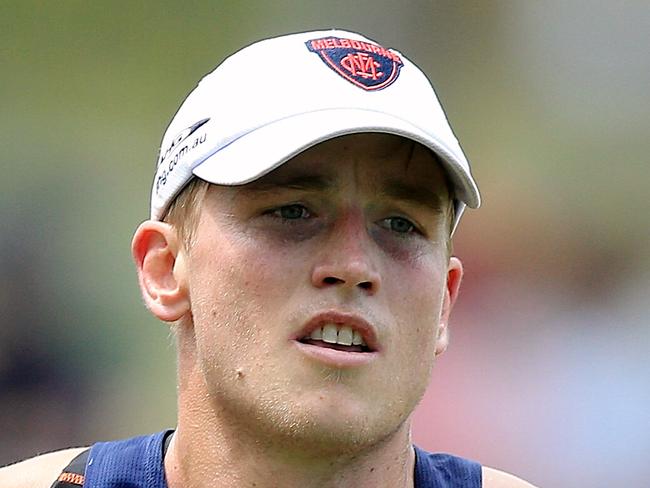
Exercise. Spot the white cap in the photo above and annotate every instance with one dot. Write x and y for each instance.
(281, 96)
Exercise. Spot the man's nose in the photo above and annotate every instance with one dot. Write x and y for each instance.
(347, 258)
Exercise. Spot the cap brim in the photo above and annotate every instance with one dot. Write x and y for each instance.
(265, 148)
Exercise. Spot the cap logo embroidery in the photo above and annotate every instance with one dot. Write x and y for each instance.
(178, 149)
(363, 64)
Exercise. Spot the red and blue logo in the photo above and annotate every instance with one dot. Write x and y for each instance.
(363, 64)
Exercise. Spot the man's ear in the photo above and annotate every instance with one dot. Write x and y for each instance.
(454, 277)
(160, 263)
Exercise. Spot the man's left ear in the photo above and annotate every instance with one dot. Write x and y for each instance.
(454, 277)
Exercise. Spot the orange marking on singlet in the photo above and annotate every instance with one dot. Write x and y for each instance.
(74, 478)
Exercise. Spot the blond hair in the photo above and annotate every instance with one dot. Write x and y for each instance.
(184, 211)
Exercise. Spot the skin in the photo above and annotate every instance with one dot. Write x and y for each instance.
(269, 256)
(355, 226)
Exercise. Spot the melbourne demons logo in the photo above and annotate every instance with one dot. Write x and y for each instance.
(366, 65)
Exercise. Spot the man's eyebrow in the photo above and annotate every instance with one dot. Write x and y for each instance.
(414, 194)
(295, 182)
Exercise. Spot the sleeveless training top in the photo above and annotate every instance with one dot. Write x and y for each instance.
(138, 463)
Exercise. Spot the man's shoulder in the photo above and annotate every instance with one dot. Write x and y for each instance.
(39, 471)
(494, 478)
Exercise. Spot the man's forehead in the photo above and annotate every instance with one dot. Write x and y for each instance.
(391, 166)
(379, 157)
(369, 144)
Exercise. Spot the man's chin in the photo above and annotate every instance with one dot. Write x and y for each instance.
(337, 432)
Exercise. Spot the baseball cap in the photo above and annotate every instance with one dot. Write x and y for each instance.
(278, 97)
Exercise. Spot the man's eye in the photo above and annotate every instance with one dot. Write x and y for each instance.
(399, 225)
(292, 212)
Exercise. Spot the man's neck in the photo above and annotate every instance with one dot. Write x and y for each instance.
(196, 459)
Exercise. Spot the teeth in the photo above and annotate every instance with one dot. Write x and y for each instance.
(356, 339)
(330, 333)
(345, 336)
(333, 334)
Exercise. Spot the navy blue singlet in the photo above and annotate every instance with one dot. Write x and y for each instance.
(138, 463)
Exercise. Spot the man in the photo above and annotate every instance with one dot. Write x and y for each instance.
(299, 244)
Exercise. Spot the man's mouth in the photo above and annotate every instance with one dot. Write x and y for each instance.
(338, 337)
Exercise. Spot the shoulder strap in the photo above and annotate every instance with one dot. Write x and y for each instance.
(166, 441)
(445, 471)
(136, 463)
(72, 475)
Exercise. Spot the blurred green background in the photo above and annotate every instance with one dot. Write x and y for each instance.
(547, 373)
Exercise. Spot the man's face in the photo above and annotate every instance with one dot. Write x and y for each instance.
(346, 241)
